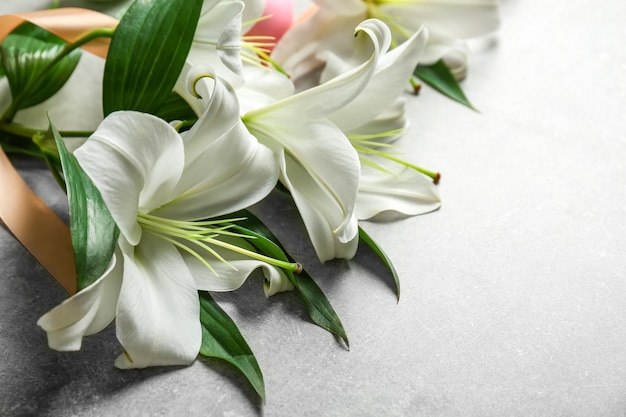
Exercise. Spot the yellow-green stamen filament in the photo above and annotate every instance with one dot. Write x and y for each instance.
(365, 146)
(256, 50)
(195, 237)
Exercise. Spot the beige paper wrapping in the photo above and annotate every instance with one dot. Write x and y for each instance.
(69, 24)
(37, 227)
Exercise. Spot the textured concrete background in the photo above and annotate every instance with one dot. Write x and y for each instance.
(513, 294)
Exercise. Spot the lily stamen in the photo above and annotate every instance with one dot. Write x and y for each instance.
(205, 234)
(249, 23)
(364, 145)
(256, 50)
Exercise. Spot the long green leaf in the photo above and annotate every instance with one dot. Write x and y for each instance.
(19, 145)
(50, 154)
(147, 54)
(176, 108)
(439, 77)
(34, 31)
(366, 239)
(27, 62)
(222, 339)
(319, 308)
(315, 301)
(94, 233)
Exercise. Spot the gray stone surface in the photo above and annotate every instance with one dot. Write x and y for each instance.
(513, 294)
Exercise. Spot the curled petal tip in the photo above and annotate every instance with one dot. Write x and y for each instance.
(195, 74)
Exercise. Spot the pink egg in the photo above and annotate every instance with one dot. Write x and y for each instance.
(281, 12)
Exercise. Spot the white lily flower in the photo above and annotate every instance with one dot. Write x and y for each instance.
(450, 23)
(216, 41)
(77, 106)
(253, 10)
(317, 163)
(406, 193)
(216, 44)
(219, 43)
(156, 183)
(373, 119)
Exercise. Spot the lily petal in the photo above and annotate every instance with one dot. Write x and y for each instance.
(458, 18)
(318, 164)
(263, 88)
(253, 9)
(86, 312)
(76, 106)
(321, 169)
(217, 41)
(407, 193)
(298, 48)
(345, 7)
(455, 52)
(158, 311)
(393, 119)
(241, 173)
(318, 102)
(226, 169)
(230, 276)
(135, 160)
(389, 81)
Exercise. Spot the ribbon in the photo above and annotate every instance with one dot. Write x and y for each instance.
(37, 227)
(69, 24)
(23, 213)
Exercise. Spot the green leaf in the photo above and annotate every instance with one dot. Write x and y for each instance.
(315, 301)
(29, 64)
(176, 108)
(34, 31)
(439, 77)
(94, 233)
(19, 145)
(366, 239)
(319, 308)
(222, 339)
(50, 154)
(147, 54)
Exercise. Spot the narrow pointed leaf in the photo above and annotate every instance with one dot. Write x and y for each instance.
(147, 54)
(315, 301)
(366, 239)
(176, 108)
(19, 150)
(319, 308)
(222, 339)
(50, 154)
(27, 62)
(439, 77)
(19, 145)
(34, 31)
(94, 233)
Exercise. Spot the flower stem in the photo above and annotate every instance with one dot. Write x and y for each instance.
(94, 34)
(27, 132)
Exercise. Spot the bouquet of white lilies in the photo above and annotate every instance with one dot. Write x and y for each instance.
(195, 111)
